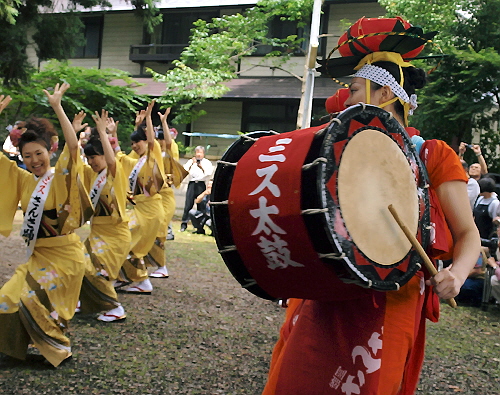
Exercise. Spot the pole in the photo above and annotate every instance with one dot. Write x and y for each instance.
(305, 108)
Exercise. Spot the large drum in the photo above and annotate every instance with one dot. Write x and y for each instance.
(304, 214)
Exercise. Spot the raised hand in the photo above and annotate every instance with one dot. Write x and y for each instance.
(4, 102)
(77, 121)
(56, 97)
(163, 117)
(139, 118)
(112, 126)
(149, 108)
(101, 122)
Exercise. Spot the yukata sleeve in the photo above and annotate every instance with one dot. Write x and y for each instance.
(72, 199)
(12, 182)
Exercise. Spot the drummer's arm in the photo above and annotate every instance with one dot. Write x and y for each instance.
(456, 207)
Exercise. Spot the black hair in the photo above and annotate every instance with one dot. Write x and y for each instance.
(465, 165)
(138, 135)
(93, 147)
(38, 130)
(486, 184)
(414, 78)
(160, 135)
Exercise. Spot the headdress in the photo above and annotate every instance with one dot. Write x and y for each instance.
(372, 40)
(336, 102)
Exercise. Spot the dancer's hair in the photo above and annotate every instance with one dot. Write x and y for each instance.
(38, 130)
(138, 135)
(414, 78)
(93, 146)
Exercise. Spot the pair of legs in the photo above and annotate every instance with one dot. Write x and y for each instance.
(194, 189)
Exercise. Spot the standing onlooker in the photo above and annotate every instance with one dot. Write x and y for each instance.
(476, 170)
(200, 170)
(472, 185)
(486, 208)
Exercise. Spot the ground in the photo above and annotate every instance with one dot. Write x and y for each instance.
(201, 333)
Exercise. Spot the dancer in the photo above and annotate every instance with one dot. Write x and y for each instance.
(108, 243)
(374, 343)
(174, 173)
(146, 178)
(40, 298)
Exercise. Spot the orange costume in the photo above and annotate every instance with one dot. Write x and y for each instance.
(372, 344)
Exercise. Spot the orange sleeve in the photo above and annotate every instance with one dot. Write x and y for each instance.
(442, 163)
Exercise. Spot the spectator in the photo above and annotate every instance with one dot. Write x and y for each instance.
(486, 208)
(472, 185)
(476, 170)
(10, 146)
(201, 217)
(200, 170)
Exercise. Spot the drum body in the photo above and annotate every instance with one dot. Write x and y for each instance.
(304, 214)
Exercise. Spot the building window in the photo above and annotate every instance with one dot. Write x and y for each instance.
(93, 34)
(282, 29)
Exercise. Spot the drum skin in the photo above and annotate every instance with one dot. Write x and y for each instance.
(327, 229)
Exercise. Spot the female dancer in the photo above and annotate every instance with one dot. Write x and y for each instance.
(40, 298)
(374, 344)
(146, 178)
(174, 173)
(109, 241)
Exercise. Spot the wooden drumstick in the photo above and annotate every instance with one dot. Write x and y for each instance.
(418, 247)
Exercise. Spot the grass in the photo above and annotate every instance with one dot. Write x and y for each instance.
(201, 333)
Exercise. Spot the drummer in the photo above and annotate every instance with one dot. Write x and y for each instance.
(321, 349)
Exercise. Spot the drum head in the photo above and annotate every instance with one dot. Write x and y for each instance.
(370, 164)
(373, 174)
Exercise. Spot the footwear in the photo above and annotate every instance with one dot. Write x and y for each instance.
(117, 284)
(161, 272)
(199, 232)
(170, 234)
(183, 227)
(114, 315)
(144, 287)
(77, 308)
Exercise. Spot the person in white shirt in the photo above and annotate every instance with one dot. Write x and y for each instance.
(200, 170)
(472, 185)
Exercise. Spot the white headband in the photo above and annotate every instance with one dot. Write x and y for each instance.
(383, 77)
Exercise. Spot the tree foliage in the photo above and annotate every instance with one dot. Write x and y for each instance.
(91, 90)
(216, 48)
(461, 100)
(54, 35)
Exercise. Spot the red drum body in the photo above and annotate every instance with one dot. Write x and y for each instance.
(304, 214)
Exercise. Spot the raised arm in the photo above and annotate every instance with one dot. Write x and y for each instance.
(112, 127)
(166, 129)
(4, 102)
(109, 154)
(150, 133)
(480, 158)
(67, 128)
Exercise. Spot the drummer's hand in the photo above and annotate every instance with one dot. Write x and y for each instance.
(446, 284)
(462, 148)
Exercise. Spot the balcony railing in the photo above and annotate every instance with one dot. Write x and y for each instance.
(155, 52)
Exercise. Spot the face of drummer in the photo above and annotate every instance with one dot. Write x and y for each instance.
(139, 147)
(97, 162)
(357, 94)
(36, 157)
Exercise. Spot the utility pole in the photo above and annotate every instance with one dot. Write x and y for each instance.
(305, 107)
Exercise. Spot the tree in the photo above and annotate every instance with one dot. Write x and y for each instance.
(216, 48)
(55, 35)
(461, 100)
(91, 90)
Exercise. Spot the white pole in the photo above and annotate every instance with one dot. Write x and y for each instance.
(305, 109)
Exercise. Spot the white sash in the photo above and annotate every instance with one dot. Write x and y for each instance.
(34, 212)
(132, 178)
(95, 191)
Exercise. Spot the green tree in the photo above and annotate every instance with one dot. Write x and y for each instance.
(461, 100)
(216, 48)
(91, 90)
(55, 35)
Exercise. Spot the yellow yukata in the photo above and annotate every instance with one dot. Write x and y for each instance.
(108, 243)
(40, 298)
(147, 214)
(175, 172)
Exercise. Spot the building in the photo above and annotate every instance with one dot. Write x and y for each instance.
(262, 98)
